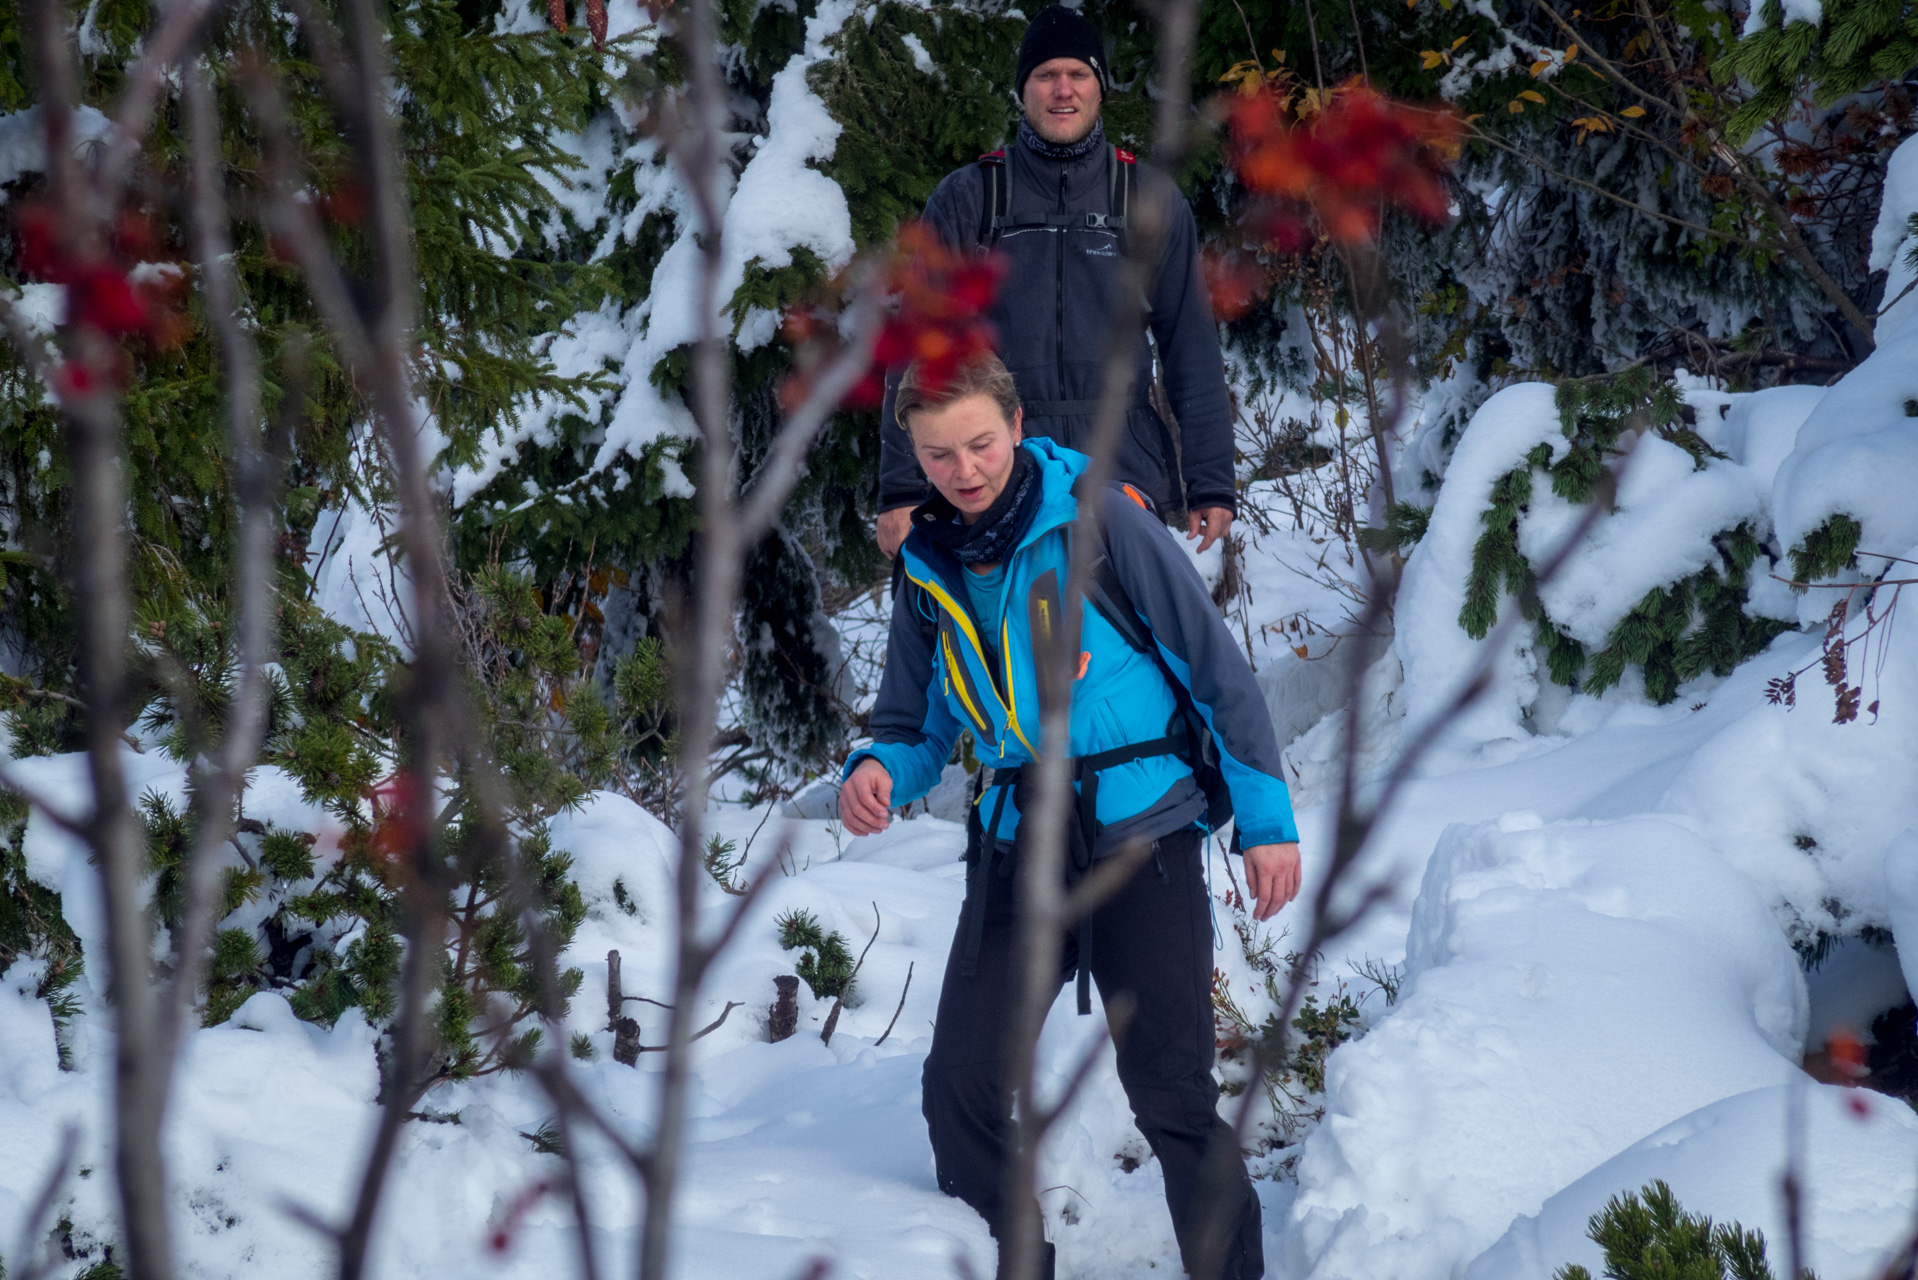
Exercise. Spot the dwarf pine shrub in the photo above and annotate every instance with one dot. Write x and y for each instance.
(1649, 1236)
(825, 961)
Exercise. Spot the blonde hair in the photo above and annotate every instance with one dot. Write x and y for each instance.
(985, 375)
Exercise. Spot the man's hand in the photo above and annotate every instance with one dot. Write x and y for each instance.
(894, 525)
(1271, 874)
(1212, 522)
(865, 803)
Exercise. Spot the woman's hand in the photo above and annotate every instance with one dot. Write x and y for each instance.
(1272, 875)
(865, 802)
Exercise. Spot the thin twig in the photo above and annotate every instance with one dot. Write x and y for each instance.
(217, 786)
(33, 1226)
(900, 1009)
(91, 410)
(703, 1032)
(1041, 896)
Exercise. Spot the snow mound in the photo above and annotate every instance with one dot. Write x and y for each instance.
(1859, 1168)
(1437, 653)
(1570, 989)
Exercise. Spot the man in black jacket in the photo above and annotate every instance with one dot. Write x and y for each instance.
(1055, 226)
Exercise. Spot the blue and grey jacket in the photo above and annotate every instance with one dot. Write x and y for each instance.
(943, 676)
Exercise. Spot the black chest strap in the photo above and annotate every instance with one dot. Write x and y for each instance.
(996, 216)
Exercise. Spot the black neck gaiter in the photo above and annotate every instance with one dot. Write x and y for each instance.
(1030, 139)
(990, 538)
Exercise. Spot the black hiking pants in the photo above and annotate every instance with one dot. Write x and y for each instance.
(1153, 940)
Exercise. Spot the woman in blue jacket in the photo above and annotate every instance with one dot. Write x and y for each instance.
(985, 561)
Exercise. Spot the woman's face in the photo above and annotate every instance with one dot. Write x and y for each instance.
(966, 450)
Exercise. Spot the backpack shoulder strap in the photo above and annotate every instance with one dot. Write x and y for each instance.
(1108, 595)
(1120, 178)
(992, 207)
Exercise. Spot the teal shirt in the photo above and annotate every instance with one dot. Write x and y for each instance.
(986, 593)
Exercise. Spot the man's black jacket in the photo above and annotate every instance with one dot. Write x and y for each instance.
(1052, 312)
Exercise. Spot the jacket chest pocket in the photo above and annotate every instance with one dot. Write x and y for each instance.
(957, 679)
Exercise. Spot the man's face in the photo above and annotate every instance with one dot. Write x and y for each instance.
(1062, 100)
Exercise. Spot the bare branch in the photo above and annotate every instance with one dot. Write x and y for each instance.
(777, 475)
(218, 784)
(839, 1003)
(181, 26)
(99, 589)
(1041, 901)
(1118, 1017)
(901, 1009)
(76, 827)
(703, 1032)
(292, 221)
(39, 1217)
(1108, 875)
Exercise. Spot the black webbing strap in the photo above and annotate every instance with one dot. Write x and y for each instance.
(993, 169)
(996, 216)
(1087, 770)
(983, 845)
(1063, 221)
(1118, 196)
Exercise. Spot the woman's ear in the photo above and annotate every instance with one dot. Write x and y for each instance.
(1018, 421)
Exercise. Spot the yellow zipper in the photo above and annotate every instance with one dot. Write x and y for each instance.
(1012, 698)
(957, 677)
(962, 620)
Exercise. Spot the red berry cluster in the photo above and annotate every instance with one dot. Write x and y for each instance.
(103, 295)
(1343, 164)
(937, 320)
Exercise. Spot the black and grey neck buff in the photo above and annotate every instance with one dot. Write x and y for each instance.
(1029, 137)
(990, 538)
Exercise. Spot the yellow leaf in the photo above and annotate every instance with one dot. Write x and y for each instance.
(1539, 68)
(1300, 649)
(1461, 40)
(1632, 113)
(1571, 54)
(1515, 106)
(1429, 58)
(1532, 95)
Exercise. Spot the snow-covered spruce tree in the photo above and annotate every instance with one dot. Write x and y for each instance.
(1624, 195)
(1696, 621)
(489, 95)
(908, 93)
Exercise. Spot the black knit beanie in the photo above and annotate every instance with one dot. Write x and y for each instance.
(1059, 32)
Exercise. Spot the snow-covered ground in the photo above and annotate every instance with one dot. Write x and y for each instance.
(1600, 991)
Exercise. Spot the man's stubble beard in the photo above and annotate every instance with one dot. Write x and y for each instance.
(1091, 121)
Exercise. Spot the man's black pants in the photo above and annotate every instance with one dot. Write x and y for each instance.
(1153, 940)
